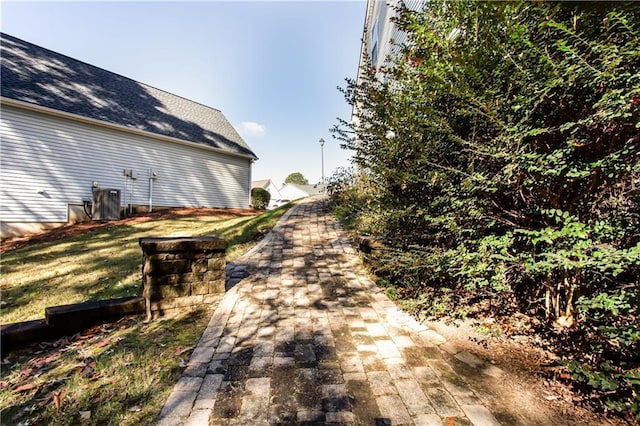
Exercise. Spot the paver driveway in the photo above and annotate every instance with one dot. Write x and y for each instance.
(307, 338)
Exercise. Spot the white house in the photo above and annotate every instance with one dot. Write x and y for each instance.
(381, 35)
(67, 128)
(381, 39)
(293, 191)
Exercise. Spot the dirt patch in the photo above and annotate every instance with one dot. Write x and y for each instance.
(527, 373)
(283, 396)
(13, 243)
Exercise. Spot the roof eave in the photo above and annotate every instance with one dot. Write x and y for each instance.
(100, 123)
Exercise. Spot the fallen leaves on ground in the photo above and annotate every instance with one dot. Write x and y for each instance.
(179, 350)
(25, 387)
(57, 399)
(39, 358)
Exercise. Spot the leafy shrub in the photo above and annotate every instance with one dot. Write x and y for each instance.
(499, 157)
(260, 198)
(349, 198)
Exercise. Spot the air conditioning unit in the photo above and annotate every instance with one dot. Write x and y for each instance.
(106, 204)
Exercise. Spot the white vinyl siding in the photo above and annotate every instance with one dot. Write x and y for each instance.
(384, 36)
(49, 162)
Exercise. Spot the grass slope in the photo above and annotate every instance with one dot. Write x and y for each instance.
(111, 374)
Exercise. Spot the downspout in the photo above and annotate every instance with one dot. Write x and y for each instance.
(249, 185)
(152, 176)
(124, 192)
(131, 197)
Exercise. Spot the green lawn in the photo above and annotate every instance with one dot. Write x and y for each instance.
(104, 263)
(112, 374)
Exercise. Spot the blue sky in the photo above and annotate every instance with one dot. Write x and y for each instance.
(272, 67)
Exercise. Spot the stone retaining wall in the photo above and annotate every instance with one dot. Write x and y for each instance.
(181, 273)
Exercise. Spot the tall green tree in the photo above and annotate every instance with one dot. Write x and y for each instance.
(297, 178)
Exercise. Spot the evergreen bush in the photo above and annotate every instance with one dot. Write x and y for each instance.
(260, 198)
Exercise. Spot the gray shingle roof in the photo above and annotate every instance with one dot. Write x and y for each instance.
(42, 77)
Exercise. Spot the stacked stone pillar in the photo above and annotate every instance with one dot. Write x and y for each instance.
(181, 273)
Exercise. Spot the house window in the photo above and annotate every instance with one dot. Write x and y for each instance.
(374, 44)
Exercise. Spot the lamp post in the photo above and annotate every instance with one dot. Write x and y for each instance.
(322, 158)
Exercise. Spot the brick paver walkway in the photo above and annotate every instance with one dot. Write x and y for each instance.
(307, 338)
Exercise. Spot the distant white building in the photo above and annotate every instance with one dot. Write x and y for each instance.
(294, 191)
(71, 131)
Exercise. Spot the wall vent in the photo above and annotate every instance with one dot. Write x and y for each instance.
(106, 204)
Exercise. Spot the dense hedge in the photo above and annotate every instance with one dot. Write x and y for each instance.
(500, 157)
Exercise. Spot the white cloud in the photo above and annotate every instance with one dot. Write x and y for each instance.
(250, 128)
